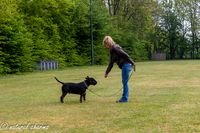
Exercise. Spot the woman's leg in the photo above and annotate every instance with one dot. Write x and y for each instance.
(126, 68)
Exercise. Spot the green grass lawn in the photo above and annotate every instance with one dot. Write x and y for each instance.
(164, 98)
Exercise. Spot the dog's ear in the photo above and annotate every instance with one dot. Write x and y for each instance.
(87, 77)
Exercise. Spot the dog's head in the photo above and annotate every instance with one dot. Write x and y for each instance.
(90, 80)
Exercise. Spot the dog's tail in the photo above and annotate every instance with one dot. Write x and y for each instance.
(59, 80)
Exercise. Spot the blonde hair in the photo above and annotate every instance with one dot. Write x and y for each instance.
(108, 41)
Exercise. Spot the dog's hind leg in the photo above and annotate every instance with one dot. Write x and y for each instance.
(62, 97)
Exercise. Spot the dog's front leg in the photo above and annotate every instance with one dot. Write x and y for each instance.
(84, 96)
(81, 97)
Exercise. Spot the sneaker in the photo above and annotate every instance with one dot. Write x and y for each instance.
(121, 101)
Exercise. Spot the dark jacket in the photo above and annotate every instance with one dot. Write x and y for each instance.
(117, 55)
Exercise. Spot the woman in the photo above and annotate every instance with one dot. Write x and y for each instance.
(117, 55)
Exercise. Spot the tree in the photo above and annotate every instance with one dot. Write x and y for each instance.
(15, 43)
(52, 25)
(182, 27)
(194, 16)
(132, 25)
(101, 26)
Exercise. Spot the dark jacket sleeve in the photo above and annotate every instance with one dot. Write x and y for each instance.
(111, 63)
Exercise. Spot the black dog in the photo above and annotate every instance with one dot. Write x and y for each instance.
(76, 88)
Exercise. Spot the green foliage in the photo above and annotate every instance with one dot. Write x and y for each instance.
(34, 30)
(17, 47)
(100, 26)
(132, 25)
(178, 28)
(15, 41)
(52, 27)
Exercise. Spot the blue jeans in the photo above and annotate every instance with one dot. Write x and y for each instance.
(126, 69)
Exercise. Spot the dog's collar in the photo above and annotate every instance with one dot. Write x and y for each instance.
(85, 84)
